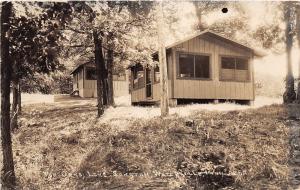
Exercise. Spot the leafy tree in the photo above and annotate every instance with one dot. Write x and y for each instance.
(7, 173)
(204, 7)
(112, 23)
(35, 48)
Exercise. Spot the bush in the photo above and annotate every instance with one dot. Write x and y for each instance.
(57, 82)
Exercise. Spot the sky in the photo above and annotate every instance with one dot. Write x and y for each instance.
(262, 13)
(258, 13)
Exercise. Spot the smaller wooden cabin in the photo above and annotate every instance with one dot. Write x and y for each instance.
(85, 84)
(203, 67)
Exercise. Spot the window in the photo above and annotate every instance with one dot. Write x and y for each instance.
(234, 69)
(241, 64)
(193, 66)
(186, 65)
(228, 63)
(201, 66)
(91, 73)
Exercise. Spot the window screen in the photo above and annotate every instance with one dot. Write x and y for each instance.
(228, 63)
(186, 65)
(138, 76)
(194, 66)
(202, 66)
(241, 64)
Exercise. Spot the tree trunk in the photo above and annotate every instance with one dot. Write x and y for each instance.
(15, 104)
(19, 97)
(98, 59)
(164, 99)
(104, 82)
(110, 87)
(298, 37)
(199, 16)
(104, 79)
(289, 95)
(8, 172)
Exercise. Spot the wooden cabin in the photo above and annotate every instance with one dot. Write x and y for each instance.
(203, 67)
(85, 84)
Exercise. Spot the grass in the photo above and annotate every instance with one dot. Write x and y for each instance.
(68, 148)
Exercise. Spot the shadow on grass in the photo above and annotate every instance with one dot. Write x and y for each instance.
(293, 120)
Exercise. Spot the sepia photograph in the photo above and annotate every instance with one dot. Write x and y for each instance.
(150, 95)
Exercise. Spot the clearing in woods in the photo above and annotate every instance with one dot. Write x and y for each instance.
(62, 145)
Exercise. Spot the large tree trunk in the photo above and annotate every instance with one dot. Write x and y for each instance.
(289, 95)
(19, 97)
(104, 89)
(99, 71)
(7, 173)
(110, 87)
(164, 99)
(104, 79)
(298, 37)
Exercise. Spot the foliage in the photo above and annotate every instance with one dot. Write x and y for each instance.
(54, 83)
(34, 42)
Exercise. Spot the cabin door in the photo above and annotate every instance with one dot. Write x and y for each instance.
(148, 83)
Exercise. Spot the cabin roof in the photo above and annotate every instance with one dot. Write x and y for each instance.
(80, 63)
(257, 53)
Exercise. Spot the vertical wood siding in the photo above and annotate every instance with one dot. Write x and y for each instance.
(214, 88)
(121, 88)
(88, 88)
(205, 89)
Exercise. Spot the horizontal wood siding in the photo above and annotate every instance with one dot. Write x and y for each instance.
(214, 88)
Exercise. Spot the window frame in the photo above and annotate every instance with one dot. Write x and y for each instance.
(194, 54)
(86, 72)
(235, 57)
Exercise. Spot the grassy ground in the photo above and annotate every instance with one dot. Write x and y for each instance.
(66, 147)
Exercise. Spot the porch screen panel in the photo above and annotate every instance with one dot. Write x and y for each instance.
(138, 77)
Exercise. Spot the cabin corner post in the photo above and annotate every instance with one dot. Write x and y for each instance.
(252, 79)
(131, 80)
